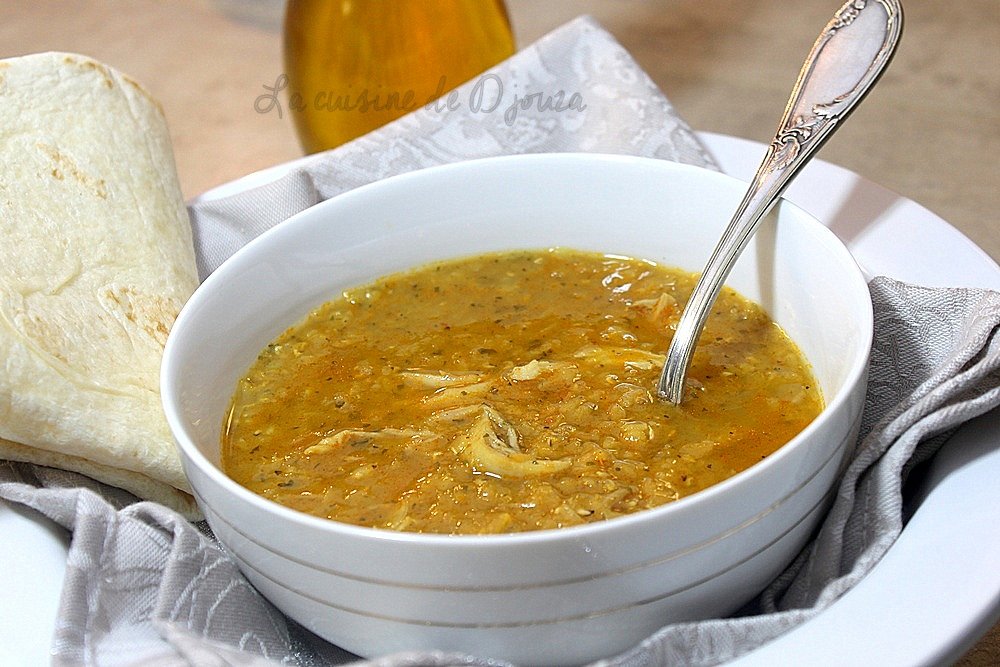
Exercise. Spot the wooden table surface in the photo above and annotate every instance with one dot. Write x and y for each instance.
(929, 131)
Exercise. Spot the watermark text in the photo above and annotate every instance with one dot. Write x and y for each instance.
(486, 95)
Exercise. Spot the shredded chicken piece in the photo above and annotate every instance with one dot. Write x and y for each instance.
(491, 445)
(356, 437)
(456, 414)
(400, 518)
(628, 395)
(456, 396)
(612, 356)
(664, 310)
(438, 379)
(533, 369)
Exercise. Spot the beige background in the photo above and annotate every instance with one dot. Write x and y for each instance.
(929, 131)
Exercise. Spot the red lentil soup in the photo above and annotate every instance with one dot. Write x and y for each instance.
(510, 392)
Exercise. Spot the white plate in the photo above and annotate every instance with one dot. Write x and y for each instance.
(936, 591)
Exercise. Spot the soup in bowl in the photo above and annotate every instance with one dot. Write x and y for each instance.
(534, 590)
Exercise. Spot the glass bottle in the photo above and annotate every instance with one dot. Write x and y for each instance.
(354, 65)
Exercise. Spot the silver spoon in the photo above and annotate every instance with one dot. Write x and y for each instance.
(843, 65)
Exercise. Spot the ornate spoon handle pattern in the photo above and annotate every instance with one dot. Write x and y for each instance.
(843, 65)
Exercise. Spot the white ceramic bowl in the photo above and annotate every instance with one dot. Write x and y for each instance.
(549, 597)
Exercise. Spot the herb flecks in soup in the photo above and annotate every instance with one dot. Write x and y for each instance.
(510, 392)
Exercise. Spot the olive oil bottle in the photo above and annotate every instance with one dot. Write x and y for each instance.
(354, 65)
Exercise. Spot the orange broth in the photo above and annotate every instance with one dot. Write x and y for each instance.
(510, 392)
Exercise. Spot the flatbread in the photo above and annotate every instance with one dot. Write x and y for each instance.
(96, 262)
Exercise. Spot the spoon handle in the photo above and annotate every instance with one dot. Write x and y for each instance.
(844, 63)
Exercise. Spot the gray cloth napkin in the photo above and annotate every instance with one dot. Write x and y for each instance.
(145, 586)
(622, 112)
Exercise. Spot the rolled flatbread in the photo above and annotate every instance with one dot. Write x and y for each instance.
(96, 261)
